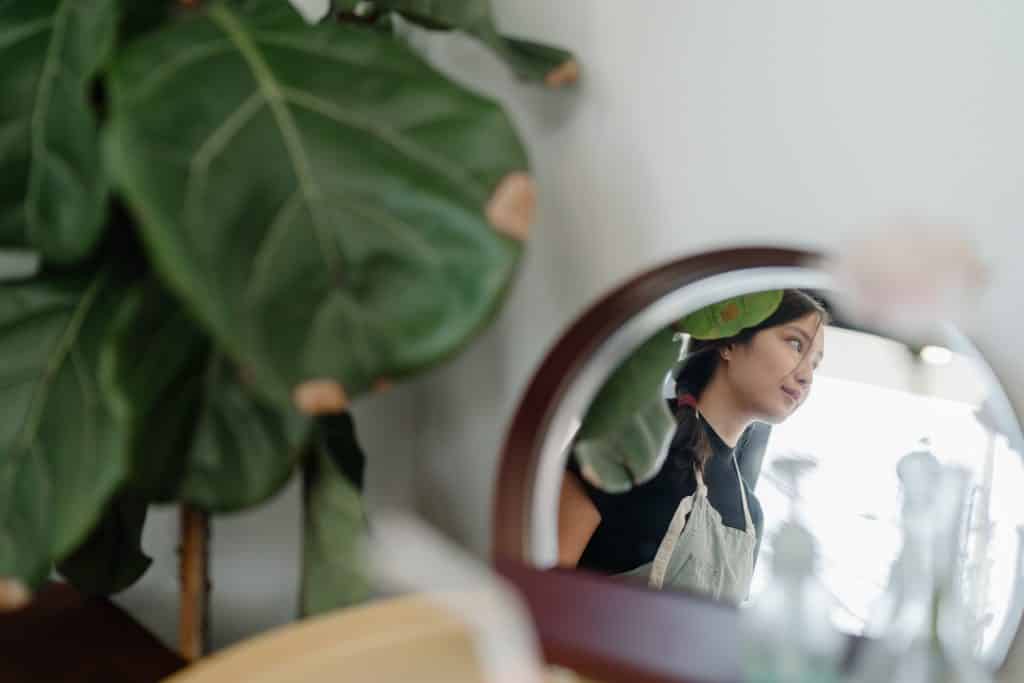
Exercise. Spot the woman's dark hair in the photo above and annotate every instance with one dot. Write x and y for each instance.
(702, 361)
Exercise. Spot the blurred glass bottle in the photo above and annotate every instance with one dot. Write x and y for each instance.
(786, 633)
(918, 634)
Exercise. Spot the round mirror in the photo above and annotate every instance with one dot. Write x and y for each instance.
(806, 414)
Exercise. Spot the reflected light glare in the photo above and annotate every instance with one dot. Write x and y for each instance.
(936, 355)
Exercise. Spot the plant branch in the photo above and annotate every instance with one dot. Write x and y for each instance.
(194, 551)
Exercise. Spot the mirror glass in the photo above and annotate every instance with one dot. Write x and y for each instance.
(875, 399)
(851, 404)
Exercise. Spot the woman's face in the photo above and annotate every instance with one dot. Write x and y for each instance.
(772, 374)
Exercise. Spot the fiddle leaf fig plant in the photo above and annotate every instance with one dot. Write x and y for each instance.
(63, 455)
(53, 194)
(529, 60)
(333, 518)
(219, 226)
(315, 222)
(196, 432)
(111, 557)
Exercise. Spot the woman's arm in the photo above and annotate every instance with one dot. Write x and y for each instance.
(577, 520)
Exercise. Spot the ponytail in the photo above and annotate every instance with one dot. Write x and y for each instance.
(690, 435)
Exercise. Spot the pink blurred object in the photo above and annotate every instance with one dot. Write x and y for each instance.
(909, 277)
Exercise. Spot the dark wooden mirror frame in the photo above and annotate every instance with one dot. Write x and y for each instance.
(594, 624)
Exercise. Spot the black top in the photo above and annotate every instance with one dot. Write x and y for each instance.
(633, 523)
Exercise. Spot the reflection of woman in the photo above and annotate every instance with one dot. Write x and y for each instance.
(697, 525)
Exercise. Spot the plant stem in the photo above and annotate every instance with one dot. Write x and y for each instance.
(193, 625)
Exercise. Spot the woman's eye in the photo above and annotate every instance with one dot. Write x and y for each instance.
(797, 344)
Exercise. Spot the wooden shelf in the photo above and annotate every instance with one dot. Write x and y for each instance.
(65, 636)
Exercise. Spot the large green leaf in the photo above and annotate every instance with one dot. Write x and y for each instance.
(61, 455)
(111, 558)
(537, 61)
(316, 194)
(630, 386)
(52, 188)
(333, 546)
(244, 449)
(527, 59)
(729, 317)
(196, 432)
(627, 427)
(153, 370)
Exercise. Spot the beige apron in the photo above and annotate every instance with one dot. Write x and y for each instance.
(702, 553)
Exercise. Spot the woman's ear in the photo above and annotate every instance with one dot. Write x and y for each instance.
(725, 352)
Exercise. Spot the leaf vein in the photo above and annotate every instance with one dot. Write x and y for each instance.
(210, 148)
(21, 378)
(36, 315)
(391, 137)
(289, 41)
(275, 235)
(41, 108)
(181, 60)
(27, 429)
(89, 394)
(65, 167)
(24, 32)
(225, 132)
(286, 123)
(404, 231)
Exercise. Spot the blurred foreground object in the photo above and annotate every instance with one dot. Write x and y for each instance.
(391, 641)
(908, 277)
(786, 634)
(467, 625)
(407, 554)
(920, 634)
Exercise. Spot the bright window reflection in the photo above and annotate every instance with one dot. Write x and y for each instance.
(857, 431)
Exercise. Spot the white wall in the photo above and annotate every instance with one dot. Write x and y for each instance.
(698, 123)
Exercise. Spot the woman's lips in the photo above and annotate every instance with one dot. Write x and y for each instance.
(793, 395)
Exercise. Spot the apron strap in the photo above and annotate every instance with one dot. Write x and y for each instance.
(743, 495)
(675, 530)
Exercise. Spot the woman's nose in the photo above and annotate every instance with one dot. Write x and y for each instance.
(804, 374)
